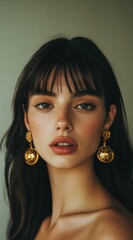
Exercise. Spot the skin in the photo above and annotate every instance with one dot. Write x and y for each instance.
(82, 208)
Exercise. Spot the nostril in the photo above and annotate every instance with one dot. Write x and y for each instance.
(64, 127)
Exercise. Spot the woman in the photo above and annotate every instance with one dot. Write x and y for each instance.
(68, 157)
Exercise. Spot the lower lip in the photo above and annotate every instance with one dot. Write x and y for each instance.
(61, 150)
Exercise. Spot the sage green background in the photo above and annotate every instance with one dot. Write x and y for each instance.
(26, 25)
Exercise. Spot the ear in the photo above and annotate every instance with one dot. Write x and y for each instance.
(110, 116)
(26, 121)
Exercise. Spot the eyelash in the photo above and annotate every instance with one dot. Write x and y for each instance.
(47, 105)
(85, 107)
(81, 107)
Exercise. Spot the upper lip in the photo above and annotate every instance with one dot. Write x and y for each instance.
(68, 140)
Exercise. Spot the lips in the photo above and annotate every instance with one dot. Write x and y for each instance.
(63, 145)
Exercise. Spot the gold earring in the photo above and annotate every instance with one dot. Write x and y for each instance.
(105, 154)
(31, 156)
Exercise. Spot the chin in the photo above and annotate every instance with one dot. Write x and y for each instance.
(61, 162)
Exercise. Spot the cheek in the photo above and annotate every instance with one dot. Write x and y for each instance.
(39, 129)
(91, 131)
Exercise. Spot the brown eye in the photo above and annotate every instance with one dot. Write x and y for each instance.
(44, 106)
(85, 106)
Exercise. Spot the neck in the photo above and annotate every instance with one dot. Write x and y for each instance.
(73, 190)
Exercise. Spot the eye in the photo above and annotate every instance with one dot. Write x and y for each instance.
(85, 107)
(44, 105)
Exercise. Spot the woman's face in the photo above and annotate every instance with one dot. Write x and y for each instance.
(67, 127)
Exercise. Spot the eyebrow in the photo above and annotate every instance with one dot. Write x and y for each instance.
(81, 93)
(47, 93)
(85, 92)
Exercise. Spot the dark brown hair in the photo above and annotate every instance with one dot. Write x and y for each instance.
(28, 187)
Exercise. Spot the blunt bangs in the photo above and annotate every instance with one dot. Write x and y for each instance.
(76, 80)
(51, 63)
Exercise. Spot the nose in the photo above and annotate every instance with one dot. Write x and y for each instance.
(64, 124)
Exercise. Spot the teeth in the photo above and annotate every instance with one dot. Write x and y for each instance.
(64, 144)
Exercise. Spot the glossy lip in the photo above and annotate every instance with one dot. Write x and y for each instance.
(63, 150)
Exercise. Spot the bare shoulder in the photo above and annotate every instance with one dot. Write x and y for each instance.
(41, 233)
(114, 224)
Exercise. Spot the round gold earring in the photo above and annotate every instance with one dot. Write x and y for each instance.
(105, 154)
(31, 156)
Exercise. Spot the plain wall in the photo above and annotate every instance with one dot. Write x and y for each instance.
(26, 25)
